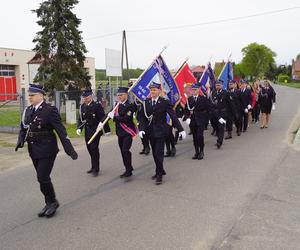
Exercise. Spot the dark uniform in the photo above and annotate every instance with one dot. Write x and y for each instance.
(89, 117)
(139, 111)
(37, 129)
(180, 112)
(234, 115)
(157, 127)
(221, 107)
(125, 130)
(198, 109)
(246, 100)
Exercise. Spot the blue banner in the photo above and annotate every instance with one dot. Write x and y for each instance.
(226, 75)
(159, 73)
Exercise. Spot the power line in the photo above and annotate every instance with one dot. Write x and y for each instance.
(199, 24)
(216, 21)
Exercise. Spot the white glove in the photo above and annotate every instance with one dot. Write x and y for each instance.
(249, 106)
(273, 106)
(78, 131)
(100, 126)
(246, 111)
(141, 134)
(111, 115)
(188, 121)
(222, 121)
(182, 134)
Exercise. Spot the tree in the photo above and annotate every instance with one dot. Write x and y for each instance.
(298, 57)
(60, 47)
(238, 70)
(257, 60)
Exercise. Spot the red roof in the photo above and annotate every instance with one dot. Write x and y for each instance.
(198, 69)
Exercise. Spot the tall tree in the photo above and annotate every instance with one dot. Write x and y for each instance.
(59, 46)
(257, 60)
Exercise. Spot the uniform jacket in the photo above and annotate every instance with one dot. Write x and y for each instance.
(37, 129)
(198, 110)
(89, 118)
(156, 122)
(245, 97)
(124, 115)
(221, 103)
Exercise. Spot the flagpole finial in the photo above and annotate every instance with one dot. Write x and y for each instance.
(164, 48)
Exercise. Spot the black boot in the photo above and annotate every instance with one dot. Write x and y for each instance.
(147, 151)
(142, 152)
(173, 152)
(195, 157)
(168, 154)
(229, 135)
(158, 180)
(201, 155)
(51, 209)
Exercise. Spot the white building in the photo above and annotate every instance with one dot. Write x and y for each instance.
(16, 74)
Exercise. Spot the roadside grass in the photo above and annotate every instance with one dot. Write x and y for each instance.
(291, 84)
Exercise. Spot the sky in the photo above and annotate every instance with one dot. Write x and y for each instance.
(279, 31)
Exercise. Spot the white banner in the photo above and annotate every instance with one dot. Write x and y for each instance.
(113, 62)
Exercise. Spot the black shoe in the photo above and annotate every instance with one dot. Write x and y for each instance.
(218, 145)
(213, 132)
(168, 154)
(154, 177)
(180, 138)
(51, 209)
(126, 174)
(158, 180)
(201, 156)
(195, 157)
(43, 211)
(229, 136)
(147, 151)
(95, 173)
(89, 171)
(238, 133)
(173, 152)
(142, 152)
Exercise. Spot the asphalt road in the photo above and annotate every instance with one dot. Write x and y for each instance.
(243, 196)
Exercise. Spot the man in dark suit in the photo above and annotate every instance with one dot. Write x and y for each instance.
(91, 114)
(221, 107)
(156, 110)
(198, 109)
(125, 128)
(38, 122)
(246, 102)
(235, 114)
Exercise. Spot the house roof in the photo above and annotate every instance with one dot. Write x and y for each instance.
(296, 65)
(37, 59)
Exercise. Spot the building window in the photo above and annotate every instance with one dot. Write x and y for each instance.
(7, 70)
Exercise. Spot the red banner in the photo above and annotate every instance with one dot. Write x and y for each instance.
(184, 77)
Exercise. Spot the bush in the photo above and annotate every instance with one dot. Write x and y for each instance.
(283, 78)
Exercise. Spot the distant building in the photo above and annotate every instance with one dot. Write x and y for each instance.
(296, 70)
(16, 73)
(198, 71)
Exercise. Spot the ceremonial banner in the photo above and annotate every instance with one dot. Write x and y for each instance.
(226, 74)
(157, 72)
(183, 77)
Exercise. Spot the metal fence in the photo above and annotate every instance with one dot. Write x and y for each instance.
(13, 105)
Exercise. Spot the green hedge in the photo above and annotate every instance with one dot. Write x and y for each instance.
(283, 78)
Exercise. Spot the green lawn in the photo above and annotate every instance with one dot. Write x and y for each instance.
(291, 84)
